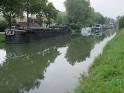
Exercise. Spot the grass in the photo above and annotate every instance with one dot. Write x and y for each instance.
(107, 73)
(2, 39)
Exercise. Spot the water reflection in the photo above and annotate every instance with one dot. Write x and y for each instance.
(25, 64)
(2, 56)
(79, 48)
(21, 72)
(95, 52)
(47, 66)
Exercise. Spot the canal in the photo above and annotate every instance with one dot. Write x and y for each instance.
(48, 66)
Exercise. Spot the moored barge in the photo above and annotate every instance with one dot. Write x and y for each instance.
(16, 36)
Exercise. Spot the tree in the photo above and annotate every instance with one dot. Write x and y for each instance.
(50, 13)
(62, 18)
(13, 8)
(99, 19)
(121, 22)
(10, 8)
(78, 11)
(43, 9)
(37, 6)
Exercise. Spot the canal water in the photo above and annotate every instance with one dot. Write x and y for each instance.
(48, 66)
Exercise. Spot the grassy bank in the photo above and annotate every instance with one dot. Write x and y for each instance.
(2, 39)
(107, 73)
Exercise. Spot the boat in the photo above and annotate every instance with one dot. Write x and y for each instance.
(86, 31)
(19, 36)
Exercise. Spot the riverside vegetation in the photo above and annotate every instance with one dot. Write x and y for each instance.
(107, 73)
(2, 39)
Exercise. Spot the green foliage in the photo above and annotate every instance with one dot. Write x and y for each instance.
(99, 19)
(50, 13)
(79, 49)
(107, 73)
(109, 20)
(13, 8)
(76, 27)
(2, 38)
(61, 18)
(35, 6)
(91, 19)
(78, 11)
(3, 25)
(121, 22)
(10, 8)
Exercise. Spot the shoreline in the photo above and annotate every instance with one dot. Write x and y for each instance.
(106, 73)
(2, 39)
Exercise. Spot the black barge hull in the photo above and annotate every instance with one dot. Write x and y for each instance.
(21, 36)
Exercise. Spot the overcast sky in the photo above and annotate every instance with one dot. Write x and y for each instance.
(110, 8)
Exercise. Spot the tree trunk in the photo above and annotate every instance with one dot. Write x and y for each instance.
(27, 19)
(10, 21)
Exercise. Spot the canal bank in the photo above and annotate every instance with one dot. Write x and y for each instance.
(106, 74)
(2, 39)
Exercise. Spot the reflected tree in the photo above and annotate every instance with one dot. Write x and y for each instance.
(22, 70)
(25, 64)
(79, 49)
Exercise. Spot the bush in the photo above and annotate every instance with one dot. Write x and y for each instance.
(3, 25)
(121, 22)
(2, 38)
(61, 19)
(75, 27)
